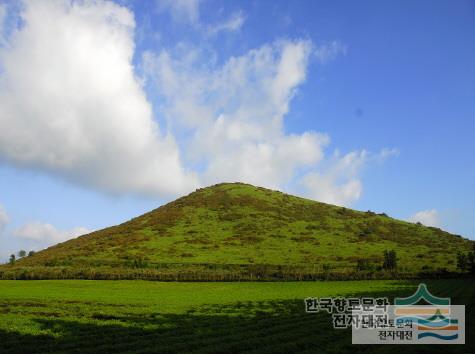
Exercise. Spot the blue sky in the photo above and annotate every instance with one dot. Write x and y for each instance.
(108, 110)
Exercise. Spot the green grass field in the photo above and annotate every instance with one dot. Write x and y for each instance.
(75, 316)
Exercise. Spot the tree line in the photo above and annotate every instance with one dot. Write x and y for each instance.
(466, 261)
(21, 254)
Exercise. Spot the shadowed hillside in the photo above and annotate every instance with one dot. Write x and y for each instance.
(234, 229)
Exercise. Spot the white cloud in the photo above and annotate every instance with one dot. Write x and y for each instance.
(325, 188)
(70, 103)
(233, 116)
(339, 180)
(3, 16)
(4, 219)
(47, 233)
(234, 113)
(233, 24)
(188, 12)
(339, 184)
(185, 11)
(427, 217)
(386, 153)
(329, 51)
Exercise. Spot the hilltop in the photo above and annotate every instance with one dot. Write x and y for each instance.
(241, 231)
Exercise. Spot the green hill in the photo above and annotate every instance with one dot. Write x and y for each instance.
(234, 231)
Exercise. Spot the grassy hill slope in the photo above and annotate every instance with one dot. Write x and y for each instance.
(233, 226)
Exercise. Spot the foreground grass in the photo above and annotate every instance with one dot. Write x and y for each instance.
(176, 297)
(139, 317)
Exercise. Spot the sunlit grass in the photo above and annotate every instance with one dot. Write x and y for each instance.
(141, 317)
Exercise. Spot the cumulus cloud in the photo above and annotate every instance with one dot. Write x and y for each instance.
(339, 184)
(233, 115)
(386, 153)
(4, 219)
(71, 104)
(47, 234)
(427, 217)
(329, 51)
(339, 181)
(188, 12)
(3, 15)
(185, 11)
(234, 112)
(233, 24)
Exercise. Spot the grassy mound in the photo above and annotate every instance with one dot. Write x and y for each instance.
(236, 231)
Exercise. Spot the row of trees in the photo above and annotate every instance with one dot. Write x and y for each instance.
(21, 254)
(389, 262)
(466, 261)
